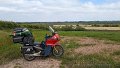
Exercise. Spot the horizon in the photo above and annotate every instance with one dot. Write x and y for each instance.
(63, 21)
(59, 10)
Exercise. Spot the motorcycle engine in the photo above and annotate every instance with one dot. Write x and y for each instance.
(27, 49)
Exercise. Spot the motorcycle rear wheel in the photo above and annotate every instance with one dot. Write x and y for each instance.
(57, 51)
(28, 57)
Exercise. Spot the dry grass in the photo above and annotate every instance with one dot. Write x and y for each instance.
(4, 38)
(91, 45)
(102, 28)
(98, 46)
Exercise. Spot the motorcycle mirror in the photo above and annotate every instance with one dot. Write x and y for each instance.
(46, 33)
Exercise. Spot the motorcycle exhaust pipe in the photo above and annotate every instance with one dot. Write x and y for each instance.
(35, 54)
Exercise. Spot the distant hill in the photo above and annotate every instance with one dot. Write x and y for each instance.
(75, 22)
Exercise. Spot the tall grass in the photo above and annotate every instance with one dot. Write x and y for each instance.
(4, 38)
(114, 36)
(8, 50)
(107, 35)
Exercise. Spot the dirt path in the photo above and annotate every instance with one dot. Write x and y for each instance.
(38, 63)
(90, 45)
(95, 46)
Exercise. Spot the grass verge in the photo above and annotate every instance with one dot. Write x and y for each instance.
(70, 59)
(113, 36)
(8, 50)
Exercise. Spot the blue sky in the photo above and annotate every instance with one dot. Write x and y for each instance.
(59, 10)
(98, 2)
(94, 1)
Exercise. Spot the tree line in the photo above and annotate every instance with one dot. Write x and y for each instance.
(12, 25)
(44, 26)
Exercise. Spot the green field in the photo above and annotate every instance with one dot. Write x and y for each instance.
(10, 51)
(108, 35)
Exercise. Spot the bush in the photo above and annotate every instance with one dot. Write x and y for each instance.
(110, 25)
(12, 25)
(8, 25)
(95, 25)
(105, 25)
(35, 26)
(69, 28)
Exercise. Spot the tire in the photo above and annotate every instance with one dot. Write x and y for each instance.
(28, 58)
(60, 50)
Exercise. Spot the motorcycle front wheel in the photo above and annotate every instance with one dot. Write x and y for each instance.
(57, 51)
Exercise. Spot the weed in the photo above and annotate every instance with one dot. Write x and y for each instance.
(116, 53)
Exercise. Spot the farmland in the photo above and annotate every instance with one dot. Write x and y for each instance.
(92, 27)
(72, 40)
(85, 45)
(102, 28)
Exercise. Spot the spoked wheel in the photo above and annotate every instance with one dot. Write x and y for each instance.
(29, 57)
(58, 51)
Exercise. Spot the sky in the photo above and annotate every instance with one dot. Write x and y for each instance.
(59, 10)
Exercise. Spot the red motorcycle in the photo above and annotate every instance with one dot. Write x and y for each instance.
(45, 48)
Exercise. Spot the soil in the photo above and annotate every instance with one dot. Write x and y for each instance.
(91, 45)
(37, 63)
(95, 46)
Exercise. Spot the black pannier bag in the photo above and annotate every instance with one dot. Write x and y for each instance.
(23, 35)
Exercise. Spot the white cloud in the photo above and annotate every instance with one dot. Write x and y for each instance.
(58, 10)
(12, 1)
